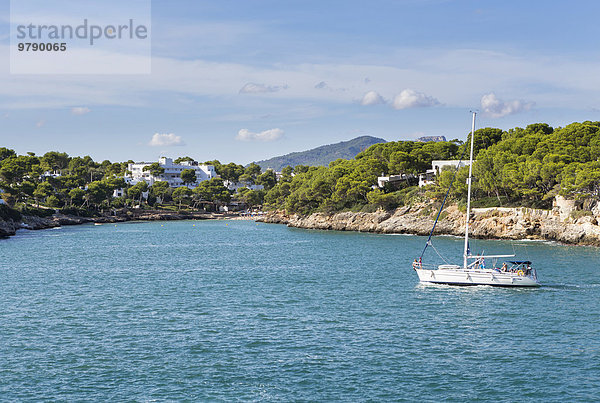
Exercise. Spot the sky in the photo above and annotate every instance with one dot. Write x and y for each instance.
(252, 79)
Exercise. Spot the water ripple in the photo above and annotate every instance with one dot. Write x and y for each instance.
(265, 312)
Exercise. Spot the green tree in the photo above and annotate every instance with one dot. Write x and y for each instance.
(76, 196)
(300, 169)
(81, 167)
(8, 198)
(218, 166)
(12, 170)
(54, 161)
(160, 189)
(179, 160)
(401, 162)
(252, 170)
(286, 174)
(252, 198)
(180, 194)
(97, 192)
(276, 197)
(26, 189)
(246, 179)
(115, 182)
(136, 191)
(213, 191)
(42, 191)
(155, 169)
(458, 191)
(188, 176)
(53, 201)
(310, 190)
(382, 200)
(268, 179)
(231, 172)
(115, 169)
(6, 153)
(484, 138)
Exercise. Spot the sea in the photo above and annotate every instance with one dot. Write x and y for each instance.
(245, 311)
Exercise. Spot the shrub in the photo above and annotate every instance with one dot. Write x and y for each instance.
(386, 201)
(78, 211)
(577, 214)
(7, 213)
(118, 202)
(35, 211)
(53, 201)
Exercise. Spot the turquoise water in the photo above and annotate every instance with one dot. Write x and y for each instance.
(218, 310)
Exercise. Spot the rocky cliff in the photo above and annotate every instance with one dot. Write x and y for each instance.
(557, 224)
(9, 226)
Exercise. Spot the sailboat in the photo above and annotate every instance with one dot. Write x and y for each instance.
(512, 273)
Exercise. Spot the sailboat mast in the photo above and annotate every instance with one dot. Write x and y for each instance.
(469, 193)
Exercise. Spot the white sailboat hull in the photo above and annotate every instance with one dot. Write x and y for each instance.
(476, 277)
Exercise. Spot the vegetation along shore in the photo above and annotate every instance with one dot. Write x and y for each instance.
(535, 182)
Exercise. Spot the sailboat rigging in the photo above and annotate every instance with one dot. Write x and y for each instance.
(519, 274)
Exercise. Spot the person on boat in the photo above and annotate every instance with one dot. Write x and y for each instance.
(415, 264)
(504, 267)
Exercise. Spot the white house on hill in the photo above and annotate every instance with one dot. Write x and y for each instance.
(428, 178)
(172, 173)
(392, 179)
(234, 186)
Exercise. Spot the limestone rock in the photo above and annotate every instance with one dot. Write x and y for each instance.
(496, 223)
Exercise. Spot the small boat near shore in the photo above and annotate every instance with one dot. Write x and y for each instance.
(473, 270)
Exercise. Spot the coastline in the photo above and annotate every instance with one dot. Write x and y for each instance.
(486, 223)
(9, 227)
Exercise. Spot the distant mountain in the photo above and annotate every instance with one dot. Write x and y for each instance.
(322, 155)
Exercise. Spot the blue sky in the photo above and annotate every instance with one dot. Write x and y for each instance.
(247, 80)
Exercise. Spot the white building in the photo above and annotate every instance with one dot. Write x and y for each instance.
(234, 186)
(172, 173)
(392, 179)
(428, 178)
(50, 174)
(437, 166)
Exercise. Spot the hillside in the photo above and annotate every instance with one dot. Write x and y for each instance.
(322, 155)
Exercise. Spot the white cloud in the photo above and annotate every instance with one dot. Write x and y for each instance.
(322, 85)
(80, 110)
(166, 140)
(267, 135)
(458, 76)
(412, 99)
(253, 88)
(497, 108)
(372, 98)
